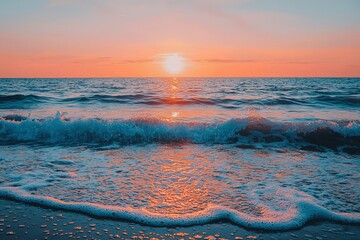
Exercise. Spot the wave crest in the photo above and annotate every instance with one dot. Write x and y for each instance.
(250, 131)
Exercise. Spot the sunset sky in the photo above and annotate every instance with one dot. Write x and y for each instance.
(215, 38)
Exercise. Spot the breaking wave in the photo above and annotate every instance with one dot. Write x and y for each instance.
(246, 132)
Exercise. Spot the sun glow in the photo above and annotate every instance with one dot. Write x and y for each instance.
(173, 63)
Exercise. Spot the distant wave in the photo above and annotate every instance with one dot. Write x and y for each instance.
(140, 99)
(148, 99)
(298, 214)
(21, 101)
(246, 133)
(21, 97)
(352, 100)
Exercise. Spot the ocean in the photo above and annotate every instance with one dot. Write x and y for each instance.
(261, 153)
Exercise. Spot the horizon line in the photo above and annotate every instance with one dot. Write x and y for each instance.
(103, 77)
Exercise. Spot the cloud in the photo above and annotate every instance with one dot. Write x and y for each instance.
(129, 61)
(219, 60)
(298, 62)
(111, 60)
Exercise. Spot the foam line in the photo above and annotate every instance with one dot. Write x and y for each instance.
(294, 218)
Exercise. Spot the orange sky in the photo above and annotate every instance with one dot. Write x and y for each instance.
(228, 38)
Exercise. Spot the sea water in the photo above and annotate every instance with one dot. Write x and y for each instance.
(265, 153)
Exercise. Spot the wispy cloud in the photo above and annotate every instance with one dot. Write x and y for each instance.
(129, 61)
(226, 60)
(299, 62)
(112, 60)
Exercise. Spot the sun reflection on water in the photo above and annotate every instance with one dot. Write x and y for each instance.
(180, 179)
(178, 190)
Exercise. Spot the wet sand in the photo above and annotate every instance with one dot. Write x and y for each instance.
(22, 221)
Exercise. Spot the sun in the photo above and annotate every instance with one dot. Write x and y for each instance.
(173, 63)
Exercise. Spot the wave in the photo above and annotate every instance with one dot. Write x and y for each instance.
(313, 136)
(155, 100)
(149, 99)
(352, 100)
(22, 101)
(298, 214)
(22, 97)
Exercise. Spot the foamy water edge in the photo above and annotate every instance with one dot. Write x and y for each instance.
(303, 212)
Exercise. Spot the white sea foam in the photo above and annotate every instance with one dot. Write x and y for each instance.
(148, 130)
(183, 185)
(301, 211)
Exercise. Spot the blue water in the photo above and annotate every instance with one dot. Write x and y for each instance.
(267, 153)
(199, 99)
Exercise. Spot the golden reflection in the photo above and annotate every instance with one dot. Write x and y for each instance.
(179, 191)
(174, 180)
(179, 108)
(173, 87)
(180, 179)
(173, 91)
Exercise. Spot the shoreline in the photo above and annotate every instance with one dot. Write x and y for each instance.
(24, 221)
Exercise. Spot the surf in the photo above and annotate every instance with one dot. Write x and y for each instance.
(251, 131)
